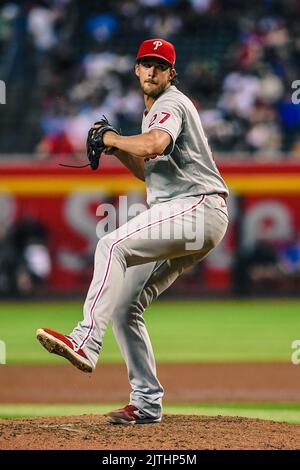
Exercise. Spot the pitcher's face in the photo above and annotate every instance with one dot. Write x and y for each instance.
(155, 75)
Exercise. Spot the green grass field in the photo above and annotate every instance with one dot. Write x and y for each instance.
(197, 331)
(289, 413)
(190, 331)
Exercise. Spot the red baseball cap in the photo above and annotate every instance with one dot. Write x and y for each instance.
(157, 48)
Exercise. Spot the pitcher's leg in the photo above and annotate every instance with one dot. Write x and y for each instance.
(138, 242)
(132, 335)
(110, 266)
(133, 339)
(130, 329)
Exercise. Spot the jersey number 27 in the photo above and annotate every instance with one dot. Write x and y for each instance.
(154, 117)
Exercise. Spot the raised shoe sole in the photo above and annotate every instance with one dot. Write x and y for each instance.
(56, 346)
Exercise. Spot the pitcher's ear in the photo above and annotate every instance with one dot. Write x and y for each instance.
(137, 70)
(172, 74)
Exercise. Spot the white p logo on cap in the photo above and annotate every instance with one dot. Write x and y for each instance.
(157, 44)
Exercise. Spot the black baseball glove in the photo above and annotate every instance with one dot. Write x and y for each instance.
(94, 142)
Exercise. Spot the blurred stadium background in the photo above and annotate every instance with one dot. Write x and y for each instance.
(65, 63)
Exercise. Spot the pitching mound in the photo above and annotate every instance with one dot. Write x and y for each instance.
(175, 432)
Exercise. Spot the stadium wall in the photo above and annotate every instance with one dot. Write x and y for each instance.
(264, 196)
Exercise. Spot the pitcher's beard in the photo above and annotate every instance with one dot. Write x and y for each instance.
(153, 93)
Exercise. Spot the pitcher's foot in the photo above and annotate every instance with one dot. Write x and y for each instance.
(130, 414)
(64, 346)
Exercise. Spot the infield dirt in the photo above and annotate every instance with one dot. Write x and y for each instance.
(184, 383)
(174, 432)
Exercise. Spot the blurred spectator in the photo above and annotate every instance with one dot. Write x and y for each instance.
(264, 134)
(201, 6)
(256, 268)
(24, 258)
(291, 257)
(8, 14)
(55, 145)
(41, 25)
(163, 23)
(240, 92)
(238, 61)
(7, 265)
(289, 114)
(102, 27)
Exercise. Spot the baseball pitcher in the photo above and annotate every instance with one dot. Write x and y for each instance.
(186, 219)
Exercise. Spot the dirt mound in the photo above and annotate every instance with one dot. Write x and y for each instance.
(174, 432)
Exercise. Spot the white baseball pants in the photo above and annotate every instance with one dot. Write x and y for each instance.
(133, 266)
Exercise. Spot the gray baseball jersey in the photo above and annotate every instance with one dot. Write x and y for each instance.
(187, 168)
